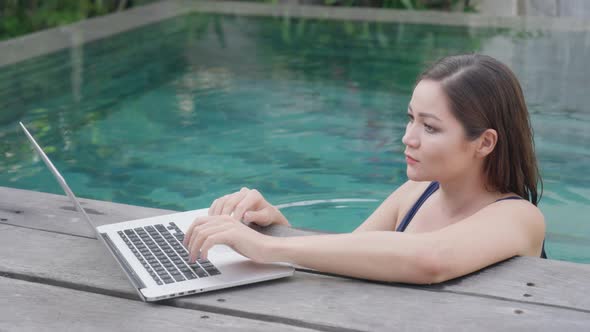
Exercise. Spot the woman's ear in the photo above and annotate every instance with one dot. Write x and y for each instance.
(486, 142)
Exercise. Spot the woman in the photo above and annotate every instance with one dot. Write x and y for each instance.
(470, 201)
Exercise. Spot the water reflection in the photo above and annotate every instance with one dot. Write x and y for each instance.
(177, 113)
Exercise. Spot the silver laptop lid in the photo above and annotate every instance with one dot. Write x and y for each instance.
(58, 177)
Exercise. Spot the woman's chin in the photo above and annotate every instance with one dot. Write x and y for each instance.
(414, 176)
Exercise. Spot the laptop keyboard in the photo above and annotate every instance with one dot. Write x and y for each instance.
(162, 254)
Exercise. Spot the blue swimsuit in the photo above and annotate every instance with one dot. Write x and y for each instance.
(429, 191)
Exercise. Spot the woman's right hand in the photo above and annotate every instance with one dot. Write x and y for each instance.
(248, 205)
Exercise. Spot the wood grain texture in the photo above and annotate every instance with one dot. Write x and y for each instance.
(522, 279)
(30, 306)
(305, 300)
(56, 213)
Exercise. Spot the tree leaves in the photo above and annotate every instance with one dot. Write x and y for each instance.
(22, 17)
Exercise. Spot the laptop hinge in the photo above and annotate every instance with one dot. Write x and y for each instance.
(123, 262)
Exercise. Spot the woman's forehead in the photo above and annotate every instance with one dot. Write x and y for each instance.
(428, 96)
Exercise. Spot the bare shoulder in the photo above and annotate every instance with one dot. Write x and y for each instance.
(520, 209)
(518, 224)
(522, 215)
(386, 216)
(411, 190)
(407, 194)
(414, 186)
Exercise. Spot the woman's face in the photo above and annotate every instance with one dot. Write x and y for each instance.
(436, 146)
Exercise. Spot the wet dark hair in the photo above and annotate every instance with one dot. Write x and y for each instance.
(484, 93)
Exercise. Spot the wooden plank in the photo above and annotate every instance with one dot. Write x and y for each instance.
(305, 300)
(30, 306)
(56, 213)
(522, 279)
(529, 279)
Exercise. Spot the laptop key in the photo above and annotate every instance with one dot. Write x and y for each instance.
(178, 277)
(200, 272)
(213, 272)
(185, 269)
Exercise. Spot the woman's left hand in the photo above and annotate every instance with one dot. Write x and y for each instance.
(205, 232)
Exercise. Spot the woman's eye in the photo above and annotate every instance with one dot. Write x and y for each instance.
(410, 117)
(429, 129)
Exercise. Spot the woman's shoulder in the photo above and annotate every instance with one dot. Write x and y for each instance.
(512, 200)
(520, 207)
(413, 187)
(410, 191)
(407, 194)
(519, 213)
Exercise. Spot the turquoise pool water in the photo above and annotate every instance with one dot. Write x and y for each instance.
(178, 113)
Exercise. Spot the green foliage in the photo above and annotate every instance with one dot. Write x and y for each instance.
(19, 17)
(396, 4)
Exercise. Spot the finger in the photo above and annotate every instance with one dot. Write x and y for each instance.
(203, 223)
(197, 235)
(260, 217)
(217, 238)
(187, 235)
(212, 207)
(252, 201)
(230, 204)
(219, 205)
(200, 238)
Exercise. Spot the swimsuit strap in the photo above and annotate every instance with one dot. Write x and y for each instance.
(408, 217)
(509, 197)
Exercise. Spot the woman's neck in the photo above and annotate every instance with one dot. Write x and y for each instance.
(465, 194)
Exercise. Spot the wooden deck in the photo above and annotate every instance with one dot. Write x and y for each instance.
(54, 276)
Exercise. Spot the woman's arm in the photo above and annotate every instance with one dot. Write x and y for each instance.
(374, 255)
(495, 233)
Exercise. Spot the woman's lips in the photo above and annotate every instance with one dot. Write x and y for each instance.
(410, 160)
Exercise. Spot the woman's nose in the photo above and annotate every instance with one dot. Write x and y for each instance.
(410, 137)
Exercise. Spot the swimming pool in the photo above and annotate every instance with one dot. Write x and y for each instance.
(177, 113)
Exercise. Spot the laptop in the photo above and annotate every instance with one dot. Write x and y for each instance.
(151, 253)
